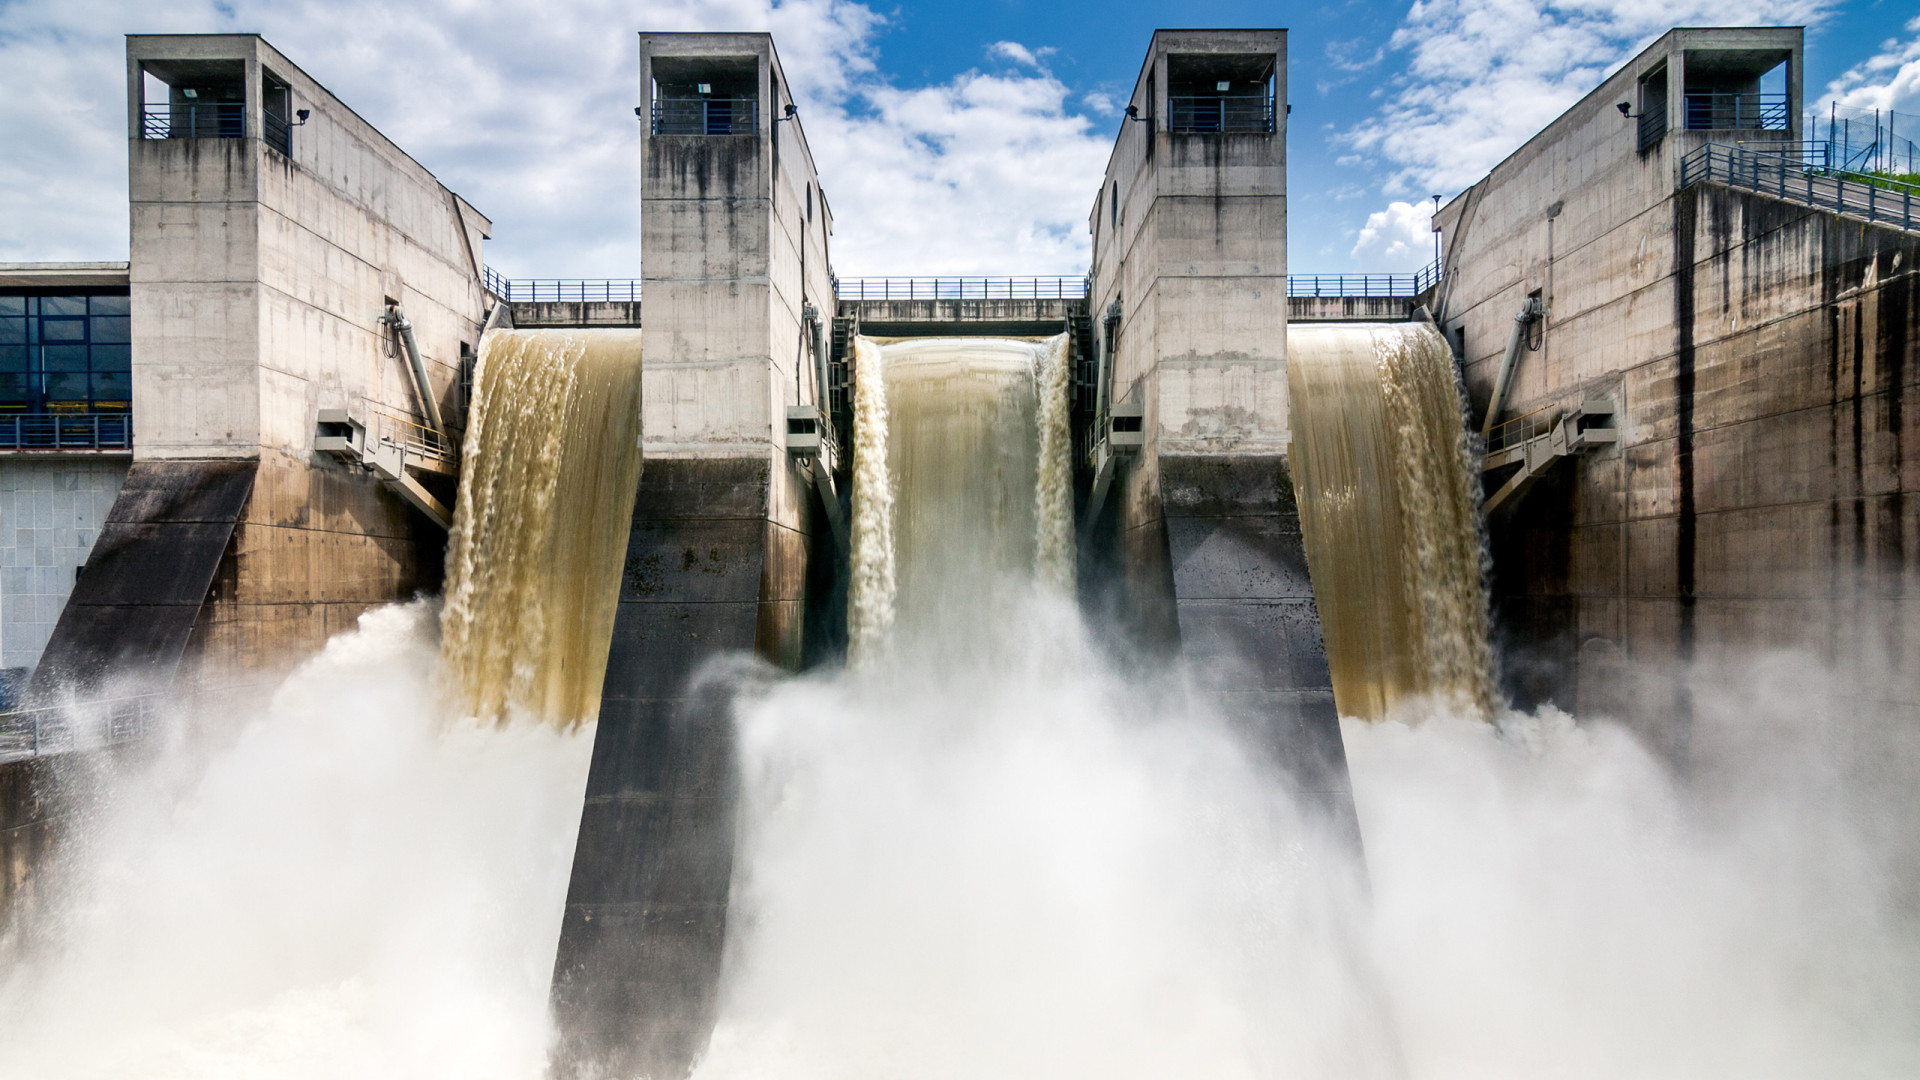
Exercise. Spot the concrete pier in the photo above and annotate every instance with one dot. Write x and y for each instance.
(1200, 554)
(734, 252)
(271, 228)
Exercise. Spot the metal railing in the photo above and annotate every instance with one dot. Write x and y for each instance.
(414, 438)
(705, 116)
(1364, 284)
(1816, 154)
(1220, 113)
(961, 288)
(1707, 111)
(66, 431)
(1653, 125)
(278, 133)
(1517, 432)
(1875, 198)
(55, 729)
(563, 290)
(194, 120)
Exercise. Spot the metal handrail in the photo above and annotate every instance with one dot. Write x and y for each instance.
(1208, 114)
(413, 437)
(562, 290)
(1522, 429)
(1714, 111)
(49, 729)
(278, 133)
(1865, 195)
(961, 288)
(48, 432)
(1799, 153)
(194, 120)
(706, 116)
(1364, 284)
(1653, 125)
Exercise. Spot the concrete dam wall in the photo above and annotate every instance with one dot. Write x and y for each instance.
(775, 539)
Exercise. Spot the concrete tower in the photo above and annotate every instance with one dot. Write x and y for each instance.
(1189, 295)
(734, 258)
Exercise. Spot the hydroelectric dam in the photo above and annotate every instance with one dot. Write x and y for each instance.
(980, 671)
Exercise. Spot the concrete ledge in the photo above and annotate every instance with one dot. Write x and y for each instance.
(573, 314)
(1351, 308)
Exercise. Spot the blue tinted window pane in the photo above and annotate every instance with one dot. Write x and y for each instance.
(112, 387)
(109, 328)
(112, 357)
(68, 388)
(109, 305)
(63, 358)
(13, 357)
(13, 388)
(13, 305)
(63, 330)
(63, 305)
(13, 331)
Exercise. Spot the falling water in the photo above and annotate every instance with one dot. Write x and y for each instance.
(969, 449)
(552, 460)
(870, 598)
(1385, 481)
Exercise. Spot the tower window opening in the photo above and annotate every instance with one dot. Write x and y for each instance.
(1737, 90)
(711, 95)
(1653, 106)
(193, 99)
(1210, 94)
(276, 112)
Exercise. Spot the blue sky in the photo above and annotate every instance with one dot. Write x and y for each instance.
(963, 137)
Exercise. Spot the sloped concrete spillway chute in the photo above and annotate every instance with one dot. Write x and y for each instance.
(137, 599)
(552, 460)
(1388, 506)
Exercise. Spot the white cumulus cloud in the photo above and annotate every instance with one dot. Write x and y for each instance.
(526, 108)
(1480, 77)
(1397, 238)
(1890, 79)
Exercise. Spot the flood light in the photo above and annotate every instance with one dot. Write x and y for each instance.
(1222, 85)
(706, 88)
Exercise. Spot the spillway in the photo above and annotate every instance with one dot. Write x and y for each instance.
(970, 457)
(1388, 505)
(539, 534)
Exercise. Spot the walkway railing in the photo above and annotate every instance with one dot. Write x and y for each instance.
(1875, 198)
(705, 116)
(194, 120)
(1364, 284)
(66, 431)
(562, 290)
(961, 288)
(1736, 112)
(413, 438)
(54, 729)
(1208, 114)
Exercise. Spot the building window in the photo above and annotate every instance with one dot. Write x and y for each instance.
(65, 353)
